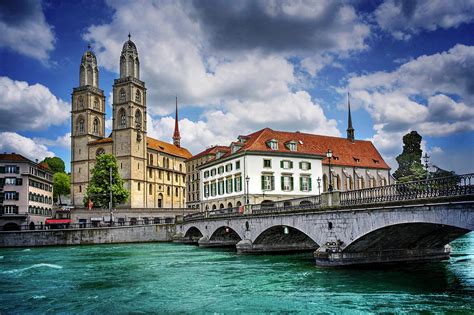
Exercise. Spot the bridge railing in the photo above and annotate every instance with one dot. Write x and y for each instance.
(288, 205)
(456, 185)
(225, 212)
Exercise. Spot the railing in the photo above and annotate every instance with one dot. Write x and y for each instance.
(288, 205)
(225, 212)
(457, 185)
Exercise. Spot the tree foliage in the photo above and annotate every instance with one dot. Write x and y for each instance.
(56, 164)
(409, 161)
(61, 184)
(99, 186)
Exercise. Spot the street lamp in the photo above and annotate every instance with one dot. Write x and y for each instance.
(329, 156)
(247, 179)
(319, 185)
(426, 158)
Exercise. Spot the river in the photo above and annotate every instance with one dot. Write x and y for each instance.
(174, 278)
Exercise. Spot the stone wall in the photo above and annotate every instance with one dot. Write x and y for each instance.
(125, 234)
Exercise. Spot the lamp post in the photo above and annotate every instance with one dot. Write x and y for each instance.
(329, 156)
(319, 185)
(426, 158)
(247, 179)
(110, 195)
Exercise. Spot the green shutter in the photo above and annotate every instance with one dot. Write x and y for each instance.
(291, 164)
(281, 164)
(309, 165)
(300, 165)
(272, 182)
(282, 184)
(291, 182)
(301, 183)
(263, 182)
(309, 183)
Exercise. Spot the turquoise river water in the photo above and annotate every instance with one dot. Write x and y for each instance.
(173, 278)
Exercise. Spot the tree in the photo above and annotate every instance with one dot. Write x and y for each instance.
(56, 164)
(99, 186)
(409, 161)
(61, 184)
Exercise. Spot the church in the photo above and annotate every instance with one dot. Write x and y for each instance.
(153, 171)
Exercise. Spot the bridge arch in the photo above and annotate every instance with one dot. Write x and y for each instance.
(226, 233)
(192, 235)
(284, 238)
(407, 236)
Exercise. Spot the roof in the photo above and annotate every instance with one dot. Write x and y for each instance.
(357, 153)
(212, 150)
(104, 140)
(14, 157)
(168, 148)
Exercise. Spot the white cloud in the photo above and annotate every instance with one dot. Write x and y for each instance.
(13, 142)
(29, 107)
(24, 29)
(407, 17)
(63, 141)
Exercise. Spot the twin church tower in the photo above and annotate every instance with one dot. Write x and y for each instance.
(153, 171)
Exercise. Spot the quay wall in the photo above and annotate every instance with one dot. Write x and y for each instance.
(87, 236)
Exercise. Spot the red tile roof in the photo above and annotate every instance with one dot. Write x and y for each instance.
(359, 153)
(13, 157)
(105, 140)
(212, 150)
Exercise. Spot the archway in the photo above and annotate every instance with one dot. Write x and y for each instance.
(267, 204)
(229, 205)
(223, 237)
(192, 235)
(282, 239)
(11, 227)
(32, 226)
(214, 207)
(221, 206)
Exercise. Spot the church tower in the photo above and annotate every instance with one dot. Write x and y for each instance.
(129, 124)
(350, 129)
(87, 123)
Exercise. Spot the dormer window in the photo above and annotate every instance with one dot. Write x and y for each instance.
(357, 160)
(335, 158)
(291, 145)
(219, 155)
(376, 161)
(273, 144)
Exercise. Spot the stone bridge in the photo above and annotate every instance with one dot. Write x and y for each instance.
(402, 222)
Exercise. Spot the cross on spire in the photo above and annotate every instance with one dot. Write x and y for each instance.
(129, 36)
(350, 129)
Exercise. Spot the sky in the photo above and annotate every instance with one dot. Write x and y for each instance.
(240, 66)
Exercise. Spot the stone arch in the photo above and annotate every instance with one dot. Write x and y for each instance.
(80, 102)
(138, 96)
(137, 68)
(32, 226)
(283, 238)
(267, 203)
(89, 75)
(410, 235)
(221, 206)
(96, 103)
(123, 67)
(82, 76)
(130, 67)
(193, 233)
(225, 235)
(214, 207)
(229, 205)
(160, 200)
(11, 226)
(238, 204)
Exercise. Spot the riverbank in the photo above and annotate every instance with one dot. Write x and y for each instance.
(87, 236)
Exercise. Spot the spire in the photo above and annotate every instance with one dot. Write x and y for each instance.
(129, 36)
(176, 135)
(350, 129)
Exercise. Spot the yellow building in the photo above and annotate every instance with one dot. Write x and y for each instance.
(153, 171)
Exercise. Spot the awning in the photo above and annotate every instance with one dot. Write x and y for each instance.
(96, 219)
(58, 221)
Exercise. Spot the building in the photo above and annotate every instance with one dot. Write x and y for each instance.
(192, 170)
(271, 165)
(154, 171)
(26, 192)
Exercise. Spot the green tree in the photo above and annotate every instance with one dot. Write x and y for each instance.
(62, 185)
(99, 186)
(409, 161)
(55, 164)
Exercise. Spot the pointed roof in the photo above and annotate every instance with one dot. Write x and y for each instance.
(350, 129)
(176, 134)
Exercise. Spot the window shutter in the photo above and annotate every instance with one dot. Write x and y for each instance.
(309, 184)
(17, 196)
(273, 182)
(309, 165)
(282, 183)
(291, 164)
(263, 182)
(17, 170)
(19, 181)
(300, 165)
(235, 183)
(301, 183)
(2, 169)
(291, 182)
(281, 164)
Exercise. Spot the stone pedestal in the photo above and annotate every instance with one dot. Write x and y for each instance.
(324, 257)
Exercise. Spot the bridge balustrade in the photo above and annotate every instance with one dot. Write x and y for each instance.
(457, 185)
(288, 205)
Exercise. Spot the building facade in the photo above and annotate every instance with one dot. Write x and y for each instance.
(154, 171)
(26, 192)
(193, 199)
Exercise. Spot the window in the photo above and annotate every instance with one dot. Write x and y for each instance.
(123, 118)
(305, 183)
(228, 167)
(80, 102)
(213, 189)
(228, 185)
(10, 181)
(286, 164)
(349, 185)
(176, 192)
(287, 183)
(168, 176)
(237, 165)
(99, 151)
(96, 103)
(80, 188)
(138, 186)
(206, 174)
(273, 144)
(11, 195)
(10, 209)
(138, 96)
(151, 159)
(213, 172)
(220, 170)
(268, 182)
(150, 173)
(138, 119)
(238, 183)
(267, 163)
(220, 187)
(206, 190)
(305, 166)
(168, 190)
(12, 169)
(96, 126)
(122, 96)
(291, 146)
(80, 125)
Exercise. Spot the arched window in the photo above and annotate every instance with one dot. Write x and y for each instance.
(123, 95)
(383, 182)
(138, 118)
(96, 126)
(123, 118)
(130, 67)
(96, 103)
(80, 125)
(221, 206)
(176, 192)
(338, 182)
(349, 183)
(214, 207)
(150, 189)
(80, 102)
(138, 96)
(138, 186)
(168, 190)
(99, 151)
(151, 159)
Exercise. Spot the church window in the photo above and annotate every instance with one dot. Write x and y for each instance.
(100, 151)
(122, 95)
(138, 118)
(80, 102)
(168, 191)
(80, 188)
(150, 189)
(150, 173)
(138, 96)
(177, 192)
(138, 186)
(151, 159)
(96, 103)
(96, 126)
(80, 125)
(123, 118)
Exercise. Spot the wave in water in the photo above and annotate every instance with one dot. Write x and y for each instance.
(33, 267)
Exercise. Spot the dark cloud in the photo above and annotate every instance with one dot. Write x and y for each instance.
(15, 12)
(279, 26)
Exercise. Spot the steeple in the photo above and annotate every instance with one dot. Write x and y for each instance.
(350, 129)
(176, 135)
(88, 70)
(129, 62)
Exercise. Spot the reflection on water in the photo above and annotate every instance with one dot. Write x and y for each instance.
(181, 278)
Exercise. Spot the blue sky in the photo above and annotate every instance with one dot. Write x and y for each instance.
(241, 66)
